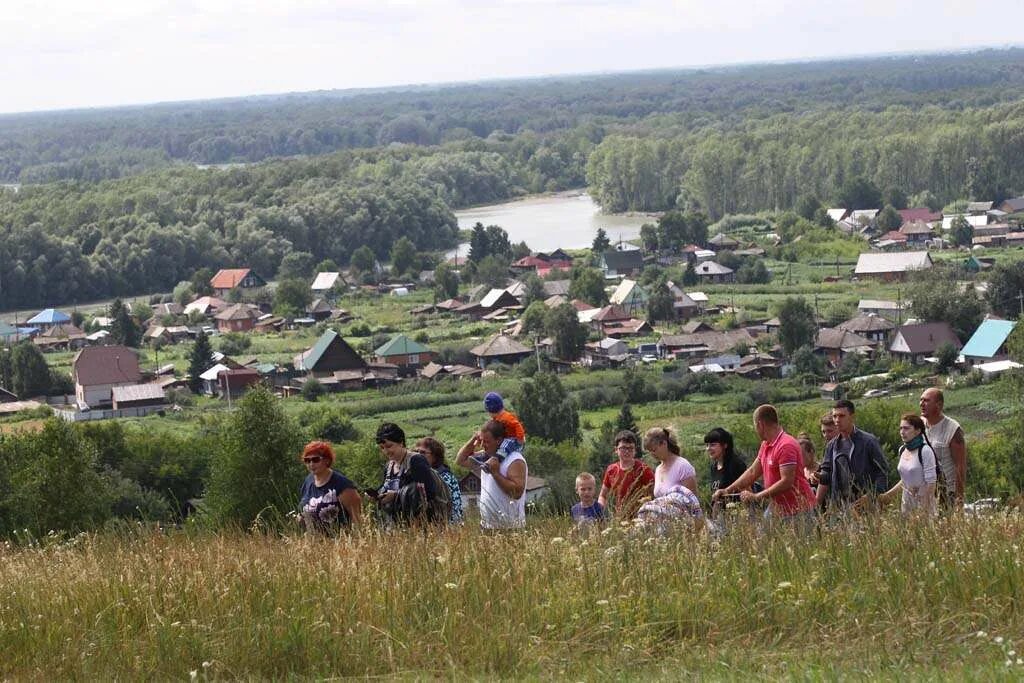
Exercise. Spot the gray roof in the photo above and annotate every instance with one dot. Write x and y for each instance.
(870, 263)
(499, 345)
(712, 268)
(138, 392)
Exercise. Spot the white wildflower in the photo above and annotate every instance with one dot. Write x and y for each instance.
(785, 584)
(451, 586)
(982, 634)
(998, 640)
(601, 602)
(557, 539)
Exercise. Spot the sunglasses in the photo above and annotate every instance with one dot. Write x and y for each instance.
(312, 458)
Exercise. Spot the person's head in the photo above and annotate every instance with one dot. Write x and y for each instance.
(661, 443)
(807, 450)
(719, 445)
(318, 456)
(391, 440)
(586, 487)
(491, 436)
(626, 447)
(843, 413)
(829, 430)
(432, 449)
(932, 403)
(911, 426)
(493, 403)
(766, 421)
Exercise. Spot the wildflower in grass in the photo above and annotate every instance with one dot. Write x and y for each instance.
(601, 602)
(451, 586)
(783, 585)
(982, 634)
(998, 640)
(557, 539)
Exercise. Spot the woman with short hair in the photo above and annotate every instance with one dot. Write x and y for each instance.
(434, 452)
(328, 501)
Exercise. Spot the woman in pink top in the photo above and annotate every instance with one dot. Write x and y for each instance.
(673, 469)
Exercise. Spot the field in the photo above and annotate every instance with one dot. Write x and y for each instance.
(888, 599)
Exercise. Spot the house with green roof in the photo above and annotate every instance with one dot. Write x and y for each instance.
(988, 343)
(403, 352)
(327, 356)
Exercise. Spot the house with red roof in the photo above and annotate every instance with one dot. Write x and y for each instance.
(923, 215)
(228, 279)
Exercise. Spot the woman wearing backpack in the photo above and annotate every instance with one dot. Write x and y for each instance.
(917, 470)
(418, 486)
(434, 452)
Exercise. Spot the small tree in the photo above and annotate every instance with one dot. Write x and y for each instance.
(199, 362)
(30, 376)
(690, 277)
(946, 355)
(123, 330)
(312, 390)
(492, 271)
(588, 284)
(601, 243)
(961, 232)
(625, 420)
(547, 411)
(563, 325)
(888, 219)
(295, 264)
(292, 297)
(796, 324)
(660, 304)
(534, 289)
(254, 465)
(362, 260)
(446, 282)
(403, 254)
(533, 317)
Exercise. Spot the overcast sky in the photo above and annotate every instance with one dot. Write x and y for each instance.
(76, 53)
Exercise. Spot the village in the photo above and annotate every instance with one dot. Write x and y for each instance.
(482, 328)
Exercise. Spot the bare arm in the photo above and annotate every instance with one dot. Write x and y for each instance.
(353, 505)
(602, 498)
(787, 478)
(691, 483)
(888, 495)
(514, 485)
(462, 459)
(958, 449)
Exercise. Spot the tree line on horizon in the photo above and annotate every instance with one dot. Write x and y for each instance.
(718, 141)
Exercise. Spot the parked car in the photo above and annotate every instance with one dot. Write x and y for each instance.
(649, 358)
(876, 393)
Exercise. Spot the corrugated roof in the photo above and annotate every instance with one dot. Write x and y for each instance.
(400, 346)
(49, 316)
(925, 337)
(325, 281)
(138, 392)
(870, 263)
(986, 340)
(106, 365)
(499, 345)
(228, 278)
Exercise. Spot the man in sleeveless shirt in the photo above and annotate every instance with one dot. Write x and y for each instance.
(947, 440)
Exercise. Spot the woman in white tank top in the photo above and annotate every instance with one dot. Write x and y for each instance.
(917, 468)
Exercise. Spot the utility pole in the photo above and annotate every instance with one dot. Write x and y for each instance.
(899, 307)
(1020, 300)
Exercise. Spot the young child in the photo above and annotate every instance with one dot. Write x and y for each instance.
(588, 510)
(515, 435)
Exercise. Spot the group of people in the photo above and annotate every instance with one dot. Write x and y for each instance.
(785, 477)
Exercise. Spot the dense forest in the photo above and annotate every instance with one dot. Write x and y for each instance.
(111, 201)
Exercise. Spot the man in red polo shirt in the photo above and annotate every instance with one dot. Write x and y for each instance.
(627, 481)
(780, 462)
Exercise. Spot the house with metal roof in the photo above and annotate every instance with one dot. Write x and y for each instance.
(325, 282)
(630, 295)
(237, 318)
(500, 349)
(836, 344)
(328, 355)
(47, 318)
(914, 343)
(891, 266)
(403, 352)
(988, 343)
(96, 370)
(870, 326)
(711, 272)
(228, 279)
(621, 263)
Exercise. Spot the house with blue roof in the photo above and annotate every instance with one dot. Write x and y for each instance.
(48, 318)
(988, 343)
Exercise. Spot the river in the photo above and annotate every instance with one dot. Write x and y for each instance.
(567, 219)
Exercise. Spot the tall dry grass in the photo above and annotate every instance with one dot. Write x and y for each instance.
(890, 596)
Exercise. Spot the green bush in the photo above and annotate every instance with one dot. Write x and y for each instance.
(328, 423)
(254, 469)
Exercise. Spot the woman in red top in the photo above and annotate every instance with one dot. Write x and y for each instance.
(629, 481)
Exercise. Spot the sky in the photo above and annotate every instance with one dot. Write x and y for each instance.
(62, 54)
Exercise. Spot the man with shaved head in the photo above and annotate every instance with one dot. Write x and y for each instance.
(947, 440)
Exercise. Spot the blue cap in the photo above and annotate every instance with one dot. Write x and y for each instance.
(493, 402)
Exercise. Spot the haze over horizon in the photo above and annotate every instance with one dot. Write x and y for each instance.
(65, 55)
